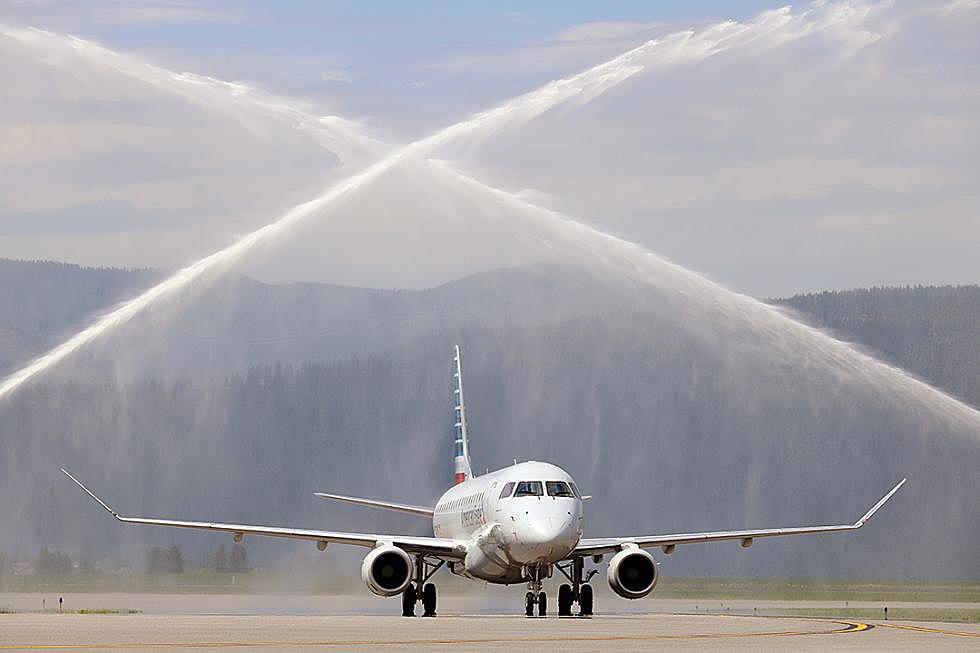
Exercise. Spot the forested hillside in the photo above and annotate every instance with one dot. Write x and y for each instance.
(225, 327)
(932, 332)
(671, 429)
(42, 301)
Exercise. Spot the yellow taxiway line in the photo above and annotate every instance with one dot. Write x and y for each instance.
(930, 630)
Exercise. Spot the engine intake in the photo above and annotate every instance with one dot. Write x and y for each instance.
(632, 573)
(387, 570)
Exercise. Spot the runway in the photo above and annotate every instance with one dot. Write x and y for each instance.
(633, 632)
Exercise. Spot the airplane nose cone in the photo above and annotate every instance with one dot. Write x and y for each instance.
(548, 530)
(545, 538)
(563, 528)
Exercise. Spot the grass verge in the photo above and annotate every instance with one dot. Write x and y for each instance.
(950, 615)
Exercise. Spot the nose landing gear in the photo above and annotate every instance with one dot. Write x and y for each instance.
(535, 596)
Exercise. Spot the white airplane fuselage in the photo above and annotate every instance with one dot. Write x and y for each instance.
(506, 534)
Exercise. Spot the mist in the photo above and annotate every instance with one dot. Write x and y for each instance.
(679, 404)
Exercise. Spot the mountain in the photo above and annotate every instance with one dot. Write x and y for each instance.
(672, 427)
(44, 302)
(225, 327)
(929, 331)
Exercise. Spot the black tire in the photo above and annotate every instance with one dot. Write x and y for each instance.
(429, 600)
(408, 601)
(529, 604)
(565, 601)
(542, 605)
(585, 601)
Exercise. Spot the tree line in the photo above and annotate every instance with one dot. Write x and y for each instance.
(159, 560)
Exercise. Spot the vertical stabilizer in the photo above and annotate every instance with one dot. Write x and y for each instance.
(461, 461)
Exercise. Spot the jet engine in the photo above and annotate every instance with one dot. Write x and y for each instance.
(387, 570)
(632, 573)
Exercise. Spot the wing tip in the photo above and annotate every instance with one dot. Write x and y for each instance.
(861, 522)
(90, 493)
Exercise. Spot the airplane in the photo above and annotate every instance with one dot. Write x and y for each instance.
(515, 525)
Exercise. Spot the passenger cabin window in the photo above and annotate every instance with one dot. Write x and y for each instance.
(529, 489)
(507, 490)
(558, 489)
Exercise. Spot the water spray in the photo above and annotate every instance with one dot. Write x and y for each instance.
(779, 25)
(525, 107)
(638, 263)
(583, 87)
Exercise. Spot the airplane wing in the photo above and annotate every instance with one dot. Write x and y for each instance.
(598, 546)
(374, 503)
(435, 546)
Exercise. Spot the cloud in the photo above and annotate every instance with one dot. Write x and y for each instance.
(610, 31)
(846, 129)
(95, 13)
(341, 75)
(98, 165)
(160, 12)
(853, 137)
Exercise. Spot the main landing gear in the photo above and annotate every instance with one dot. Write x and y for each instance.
(419, 590)
(578, 592)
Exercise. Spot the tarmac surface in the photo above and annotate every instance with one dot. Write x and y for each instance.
(288, 623)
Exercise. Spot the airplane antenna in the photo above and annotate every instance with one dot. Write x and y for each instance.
(461, 461)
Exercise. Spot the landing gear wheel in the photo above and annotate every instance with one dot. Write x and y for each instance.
(408, 601)
(542, 605)
(585, 601)
(529, 604)
(565, 601)
(429, 600)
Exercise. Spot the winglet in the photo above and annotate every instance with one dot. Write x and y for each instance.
(91, 494)
(859, 523)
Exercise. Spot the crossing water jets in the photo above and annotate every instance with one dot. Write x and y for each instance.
(583, 86)
(769, 29)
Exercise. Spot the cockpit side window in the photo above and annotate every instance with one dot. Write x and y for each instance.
(558, 489)
(578, 495)
(529, 489)
(507, 490)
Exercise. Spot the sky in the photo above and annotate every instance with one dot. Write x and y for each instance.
(840, 151)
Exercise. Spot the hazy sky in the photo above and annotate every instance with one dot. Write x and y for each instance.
(842, 152)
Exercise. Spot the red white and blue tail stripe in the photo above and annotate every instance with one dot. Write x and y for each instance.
(461, 461)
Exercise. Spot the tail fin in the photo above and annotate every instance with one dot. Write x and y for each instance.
(462, 442)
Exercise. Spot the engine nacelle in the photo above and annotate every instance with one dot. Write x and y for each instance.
(632, 573)
(387, 570)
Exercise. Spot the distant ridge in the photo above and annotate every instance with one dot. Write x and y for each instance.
(932, 331)
(238, 404)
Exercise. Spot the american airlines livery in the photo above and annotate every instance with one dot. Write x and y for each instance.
(516, 525)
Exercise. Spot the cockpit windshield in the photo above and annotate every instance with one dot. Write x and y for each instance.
(529, 489)
(559, 489)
